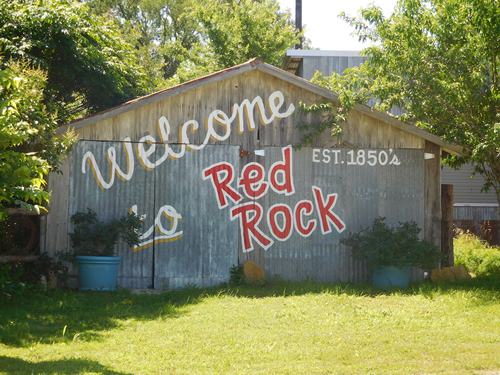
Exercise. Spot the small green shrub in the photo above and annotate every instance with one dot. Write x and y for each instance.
(476, 255)
(400, 246)
(236, 276)
(94, 237)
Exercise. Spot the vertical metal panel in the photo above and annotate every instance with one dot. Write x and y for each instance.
(56, 222)
(364, 193)
(209, 243)
(136, 267)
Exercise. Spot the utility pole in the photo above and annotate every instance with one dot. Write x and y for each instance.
(298, 20)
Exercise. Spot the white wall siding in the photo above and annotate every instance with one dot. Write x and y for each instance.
(466, 187)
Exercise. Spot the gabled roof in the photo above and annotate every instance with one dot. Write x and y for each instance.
(256, 64)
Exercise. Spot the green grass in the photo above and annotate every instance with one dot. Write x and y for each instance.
(282, 328)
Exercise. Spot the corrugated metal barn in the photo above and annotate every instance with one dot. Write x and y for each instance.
(213, 166)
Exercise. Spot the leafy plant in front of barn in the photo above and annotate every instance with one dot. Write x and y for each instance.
(393, 250)
(94, 237)
(236, 276)
(29, 150)
(94, 242)
(19, 277)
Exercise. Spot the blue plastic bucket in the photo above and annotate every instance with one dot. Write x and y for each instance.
(98, 272)
(391, 277)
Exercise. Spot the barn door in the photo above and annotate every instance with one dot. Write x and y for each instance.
(206, 243)
(187, 238)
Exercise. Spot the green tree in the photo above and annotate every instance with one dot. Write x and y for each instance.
(438, 60)
(28, 147)
(164, 33)
(88, 65)
(182, 39)
(241, 29)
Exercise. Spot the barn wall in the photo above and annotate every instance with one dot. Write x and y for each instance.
(364, 131)
(56, 230)
(399, 192)
(361, 129)
(364, 193)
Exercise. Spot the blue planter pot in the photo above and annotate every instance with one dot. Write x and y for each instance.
(391, 277)
(98, 272)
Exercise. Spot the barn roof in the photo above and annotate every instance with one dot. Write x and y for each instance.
(256, 64)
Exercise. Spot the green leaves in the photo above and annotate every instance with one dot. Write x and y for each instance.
(94, 237)
(382, 245)
(58, 61)
(84, 55)
(179, 40)
(28, 148)
(239, 30)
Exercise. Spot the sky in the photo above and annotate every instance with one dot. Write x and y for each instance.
(325, 29)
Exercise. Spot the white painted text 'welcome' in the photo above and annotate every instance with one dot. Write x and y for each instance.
(219, 128)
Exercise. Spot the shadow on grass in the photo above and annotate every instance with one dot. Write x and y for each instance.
(10, 365)
(65, 316)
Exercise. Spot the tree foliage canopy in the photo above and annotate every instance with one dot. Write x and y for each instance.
(438, 60)
(240, 30)
(182, 39)
(28, 147)
(88, 65)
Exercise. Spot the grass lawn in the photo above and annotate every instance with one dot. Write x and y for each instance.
(282, 328)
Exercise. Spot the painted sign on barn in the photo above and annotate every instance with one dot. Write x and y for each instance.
(206, 205)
